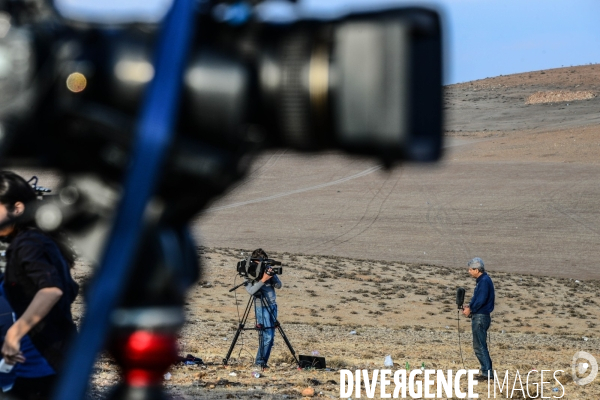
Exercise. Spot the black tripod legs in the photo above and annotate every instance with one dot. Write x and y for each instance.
(287, 343)
(260, 329)
(239, 330)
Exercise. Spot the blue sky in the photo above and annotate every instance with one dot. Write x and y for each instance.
(490, 38)
(483, 38)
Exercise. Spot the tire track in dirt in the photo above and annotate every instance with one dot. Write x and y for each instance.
(372, 221)
(296, 191)
(558, 208)
(446, 224)
(334, 216)
(352, 233)
(378, 212)
(267, 166)
(438, 219)
(258, 171)
(357, 223)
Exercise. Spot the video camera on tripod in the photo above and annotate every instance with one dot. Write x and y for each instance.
(254, 268)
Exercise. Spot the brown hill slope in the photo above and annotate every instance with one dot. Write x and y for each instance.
(499, 104)
(519, 186)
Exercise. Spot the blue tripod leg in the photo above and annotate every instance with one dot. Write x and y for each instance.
(154, 134)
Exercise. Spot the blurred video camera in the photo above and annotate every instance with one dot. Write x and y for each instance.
(254, 268)
(366, 82)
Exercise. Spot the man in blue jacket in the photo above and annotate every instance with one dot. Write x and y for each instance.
(480, 308)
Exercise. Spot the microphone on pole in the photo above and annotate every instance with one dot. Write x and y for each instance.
(460, 297)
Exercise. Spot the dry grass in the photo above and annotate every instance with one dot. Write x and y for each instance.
(559, 96)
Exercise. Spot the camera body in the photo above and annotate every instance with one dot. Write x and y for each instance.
(254, 268)
(367, 83)
(274, 271)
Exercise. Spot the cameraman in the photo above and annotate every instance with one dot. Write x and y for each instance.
(266, 315)
(480, 308)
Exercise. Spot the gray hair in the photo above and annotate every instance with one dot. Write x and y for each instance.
(476, 263)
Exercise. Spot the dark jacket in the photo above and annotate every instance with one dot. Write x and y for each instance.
(34, 262)
(483, 295)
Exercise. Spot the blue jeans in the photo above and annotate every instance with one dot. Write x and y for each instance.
(266, 332)
(480, 324)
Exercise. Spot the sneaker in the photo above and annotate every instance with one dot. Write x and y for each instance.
(485, 377)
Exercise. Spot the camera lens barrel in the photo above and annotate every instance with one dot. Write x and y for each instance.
(286, 78)
(216, 94)
(369, 84)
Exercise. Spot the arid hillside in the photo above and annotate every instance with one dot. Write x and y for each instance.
(518, 186)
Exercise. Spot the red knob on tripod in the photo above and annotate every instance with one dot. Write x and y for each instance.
(145, 356)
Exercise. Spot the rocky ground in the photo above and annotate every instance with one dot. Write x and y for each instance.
(355, 312)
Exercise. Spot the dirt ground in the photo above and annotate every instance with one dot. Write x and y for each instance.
(372, 258)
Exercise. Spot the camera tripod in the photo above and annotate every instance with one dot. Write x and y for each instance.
(242, 326)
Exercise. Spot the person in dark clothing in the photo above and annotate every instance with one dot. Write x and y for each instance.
(266, 316)
(37, 281)
(480, 307)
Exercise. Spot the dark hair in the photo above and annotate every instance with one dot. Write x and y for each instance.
(259, 253)
(13, 189)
